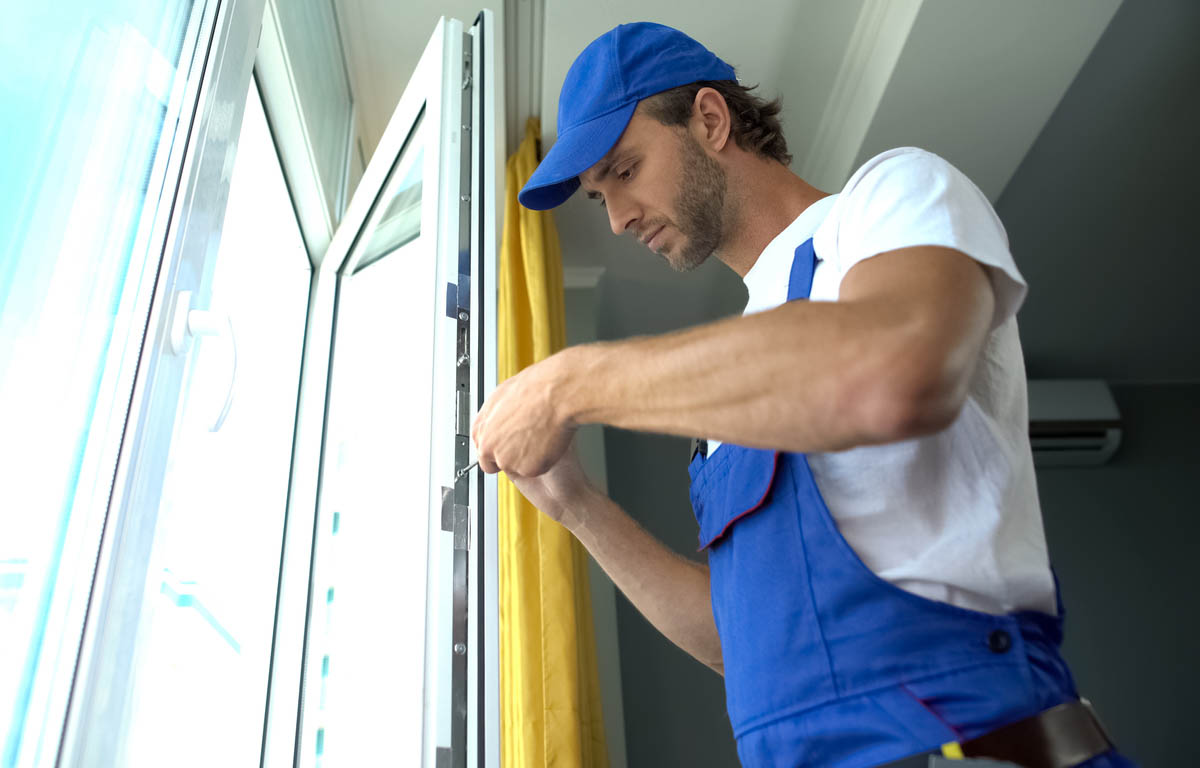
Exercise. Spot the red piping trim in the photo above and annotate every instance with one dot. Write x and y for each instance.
(957, 733)
(755, 508)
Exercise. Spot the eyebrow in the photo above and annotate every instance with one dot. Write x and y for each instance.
(603, 168)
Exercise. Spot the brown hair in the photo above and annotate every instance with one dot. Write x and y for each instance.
(755, 121)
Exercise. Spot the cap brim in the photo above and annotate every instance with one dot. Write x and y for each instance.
(557, 176)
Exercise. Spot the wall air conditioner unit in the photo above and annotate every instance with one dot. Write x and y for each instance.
(1072, 422)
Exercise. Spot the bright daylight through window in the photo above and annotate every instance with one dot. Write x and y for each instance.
(91, 95)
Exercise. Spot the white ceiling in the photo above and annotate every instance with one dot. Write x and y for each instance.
(383, 40)
(973, 80)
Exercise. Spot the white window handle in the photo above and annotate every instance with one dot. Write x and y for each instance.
(187, 323)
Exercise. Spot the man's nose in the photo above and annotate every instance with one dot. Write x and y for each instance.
(621, 215)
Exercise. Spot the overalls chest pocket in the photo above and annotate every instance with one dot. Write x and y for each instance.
(735, 483)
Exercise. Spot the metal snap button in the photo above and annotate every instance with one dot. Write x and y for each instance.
(999, 641)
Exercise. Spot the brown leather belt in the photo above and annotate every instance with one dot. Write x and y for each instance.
(1059, 737)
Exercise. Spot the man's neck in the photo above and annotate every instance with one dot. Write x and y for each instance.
(767, 198)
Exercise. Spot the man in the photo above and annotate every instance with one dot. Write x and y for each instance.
(877, 584)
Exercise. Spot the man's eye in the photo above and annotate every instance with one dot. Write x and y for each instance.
(626, 174)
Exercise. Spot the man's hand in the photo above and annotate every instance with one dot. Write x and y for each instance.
(562, 492)
(523, 429)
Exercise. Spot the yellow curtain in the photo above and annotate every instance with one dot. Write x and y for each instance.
(549, 689)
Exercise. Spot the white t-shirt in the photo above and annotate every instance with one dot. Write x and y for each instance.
(952, 516)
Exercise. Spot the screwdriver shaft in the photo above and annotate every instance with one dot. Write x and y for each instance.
(462, 472)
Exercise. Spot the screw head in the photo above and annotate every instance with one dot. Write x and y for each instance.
(463, 316)
(460, 648)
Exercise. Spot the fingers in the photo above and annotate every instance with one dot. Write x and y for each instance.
(484, 452)
(488, 465)
(524, 458)
(517, 430)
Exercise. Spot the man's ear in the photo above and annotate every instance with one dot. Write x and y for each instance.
(711, 119)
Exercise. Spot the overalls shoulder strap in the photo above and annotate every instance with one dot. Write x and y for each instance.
(803, 265)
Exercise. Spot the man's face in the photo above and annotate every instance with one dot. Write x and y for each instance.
(658, 183)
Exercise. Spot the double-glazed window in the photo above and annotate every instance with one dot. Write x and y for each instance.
(94, 98)
(231, 528)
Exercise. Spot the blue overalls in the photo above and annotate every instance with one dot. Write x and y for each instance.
(825, 663)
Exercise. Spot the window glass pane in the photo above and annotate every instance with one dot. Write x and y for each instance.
(200, 670)
(89, 100)
(310, 30)
(366, 648)
(400, 222)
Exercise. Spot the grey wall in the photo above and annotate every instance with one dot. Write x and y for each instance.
(1102, 218)
(1011, 61)
(1102, 214)
(1122, 538)
(674, 706)
(580, 306)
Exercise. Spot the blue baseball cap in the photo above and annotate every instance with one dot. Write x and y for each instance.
(601, 91)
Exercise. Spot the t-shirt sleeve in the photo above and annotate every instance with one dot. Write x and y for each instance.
(910, 197)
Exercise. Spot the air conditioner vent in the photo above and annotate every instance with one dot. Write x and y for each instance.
(1072, 422)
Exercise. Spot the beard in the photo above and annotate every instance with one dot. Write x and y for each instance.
(700, 206)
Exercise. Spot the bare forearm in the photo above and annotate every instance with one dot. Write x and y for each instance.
(763, 380)
(892, 359)
(804, 377)
(671, 591)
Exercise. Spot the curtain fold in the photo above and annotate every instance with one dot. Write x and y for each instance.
(549, 688)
